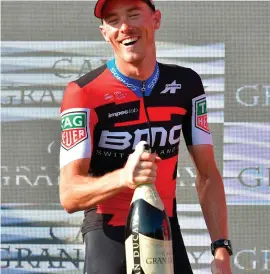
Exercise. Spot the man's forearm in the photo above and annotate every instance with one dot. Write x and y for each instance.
(213, 202)
(85, 192)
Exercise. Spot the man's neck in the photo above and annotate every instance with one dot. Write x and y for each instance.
(140, 71)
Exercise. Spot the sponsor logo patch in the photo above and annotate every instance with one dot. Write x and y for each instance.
(171, 88)
(74, 128)
(201, 115)
(123, 112)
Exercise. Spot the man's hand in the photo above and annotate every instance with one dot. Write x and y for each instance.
(141, 168)
(221, 263)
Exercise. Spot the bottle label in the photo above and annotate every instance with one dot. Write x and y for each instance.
(148, 255)
(149, 194)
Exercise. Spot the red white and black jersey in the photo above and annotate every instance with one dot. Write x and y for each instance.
(105, 114)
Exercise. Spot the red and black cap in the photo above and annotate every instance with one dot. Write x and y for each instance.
(100, 4)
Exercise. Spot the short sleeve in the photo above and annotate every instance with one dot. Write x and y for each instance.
(76, 125)
(195, 125)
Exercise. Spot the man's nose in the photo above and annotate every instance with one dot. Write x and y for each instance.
(125, 26)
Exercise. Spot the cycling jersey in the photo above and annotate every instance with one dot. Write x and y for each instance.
(105, 114)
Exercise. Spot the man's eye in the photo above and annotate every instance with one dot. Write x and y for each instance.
(112, 21)
(134, 15)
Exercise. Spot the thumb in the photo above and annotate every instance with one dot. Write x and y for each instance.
(134, 159)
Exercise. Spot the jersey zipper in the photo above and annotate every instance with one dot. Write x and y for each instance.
(147, 116)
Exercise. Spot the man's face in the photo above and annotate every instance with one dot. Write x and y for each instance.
(129, 26)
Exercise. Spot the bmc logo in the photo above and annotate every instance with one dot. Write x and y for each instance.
(123, 140)
(171, 88)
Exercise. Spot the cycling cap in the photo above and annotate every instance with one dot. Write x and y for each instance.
(100, 4)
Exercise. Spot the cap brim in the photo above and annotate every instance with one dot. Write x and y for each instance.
(98, 8)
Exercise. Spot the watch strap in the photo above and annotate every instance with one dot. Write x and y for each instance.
(225, 243)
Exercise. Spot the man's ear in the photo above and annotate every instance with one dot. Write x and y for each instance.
(157, 19)
(104, 32)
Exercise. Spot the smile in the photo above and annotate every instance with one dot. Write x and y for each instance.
(130, 41)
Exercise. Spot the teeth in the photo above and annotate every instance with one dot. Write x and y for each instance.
(130, 40)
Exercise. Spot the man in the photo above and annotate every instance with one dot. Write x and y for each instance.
(107, 112)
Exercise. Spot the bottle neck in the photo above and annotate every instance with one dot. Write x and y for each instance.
(148, 193)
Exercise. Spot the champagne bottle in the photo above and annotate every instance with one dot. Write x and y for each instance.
(148, 241)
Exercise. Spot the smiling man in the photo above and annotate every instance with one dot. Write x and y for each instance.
(130, 27)
(107, 112)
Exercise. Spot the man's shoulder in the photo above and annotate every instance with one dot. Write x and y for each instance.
(76, 88)
(173, 68)
(90, 76)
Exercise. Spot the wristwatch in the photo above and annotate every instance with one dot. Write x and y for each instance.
(222, 243)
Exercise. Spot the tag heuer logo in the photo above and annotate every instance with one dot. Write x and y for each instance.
(201, 115)
(74, 129)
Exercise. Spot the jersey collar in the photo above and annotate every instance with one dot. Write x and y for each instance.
(134, 84)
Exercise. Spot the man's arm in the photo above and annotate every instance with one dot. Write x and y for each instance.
(211, 194)
(78, 191)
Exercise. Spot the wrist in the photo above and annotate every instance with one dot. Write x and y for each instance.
(221, 253)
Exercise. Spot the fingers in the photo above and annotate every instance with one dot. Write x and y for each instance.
(146, 156)
(141, 180)
(153, 157)
(141, 168)
(144, 173)
(146, 165)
